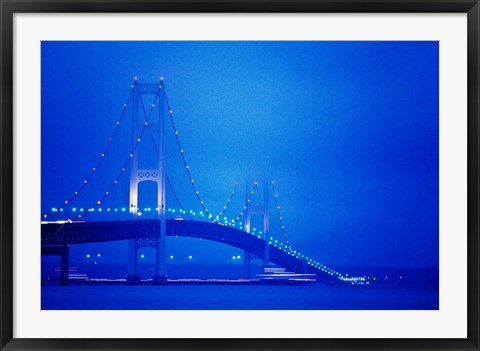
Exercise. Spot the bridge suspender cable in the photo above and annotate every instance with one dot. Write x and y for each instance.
(124, 168)
(102, 155)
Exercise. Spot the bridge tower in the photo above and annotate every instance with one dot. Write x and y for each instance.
(259, 180)
(148, 167)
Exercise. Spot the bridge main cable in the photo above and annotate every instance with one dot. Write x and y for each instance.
(228, 201)
(169, 183)
(102, 155)
(124, 168)
(197, 193)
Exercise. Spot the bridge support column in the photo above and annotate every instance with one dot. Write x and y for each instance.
(64, 258)
(132, 275)
(161, 270)
(261, 209)
(246, 265)
(266, 253)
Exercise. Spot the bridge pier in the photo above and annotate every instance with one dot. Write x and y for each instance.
(132, 273)
(161, 265)
(247, 273)
(64, 258)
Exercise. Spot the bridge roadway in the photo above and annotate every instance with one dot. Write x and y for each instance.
(55, 234)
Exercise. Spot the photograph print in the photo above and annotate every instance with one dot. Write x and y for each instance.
(239, 175)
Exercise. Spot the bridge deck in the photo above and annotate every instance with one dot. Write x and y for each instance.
(89, 232)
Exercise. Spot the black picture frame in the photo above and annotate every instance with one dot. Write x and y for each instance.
(10, 7)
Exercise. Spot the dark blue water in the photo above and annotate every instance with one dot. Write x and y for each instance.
(237, 297)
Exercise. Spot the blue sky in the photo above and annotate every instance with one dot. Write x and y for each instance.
(348, 130)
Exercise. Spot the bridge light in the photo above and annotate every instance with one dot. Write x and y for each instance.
(135, 78)
(153, 105)
(99, 210)
(81, 210)
(142, 256)
(98, 255)
(238, 256)
(138, 139)
(161, 78)
(234, 257)
(190, 257)
(108, 209)
(85, 181)
(88, 255)
(171, 257)
(74, 209)
(139, 213)
(123, 209)
(98, 202)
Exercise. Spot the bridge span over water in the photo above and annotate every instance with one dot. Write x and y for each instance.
(56, 237)
(147, 164)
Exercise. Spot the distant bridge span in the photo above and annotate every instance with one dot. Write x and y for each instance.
(54, 234)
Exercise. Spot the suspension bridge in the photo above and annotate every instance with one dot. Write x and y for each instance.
(68, 224)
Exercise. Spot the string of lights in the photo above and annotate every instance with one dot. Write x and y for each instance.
(229, 200)
(247, 203)
(102, 155)
(169, 183)
(124, 168)
(287, 247)
(275, 196)
(187, 168)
